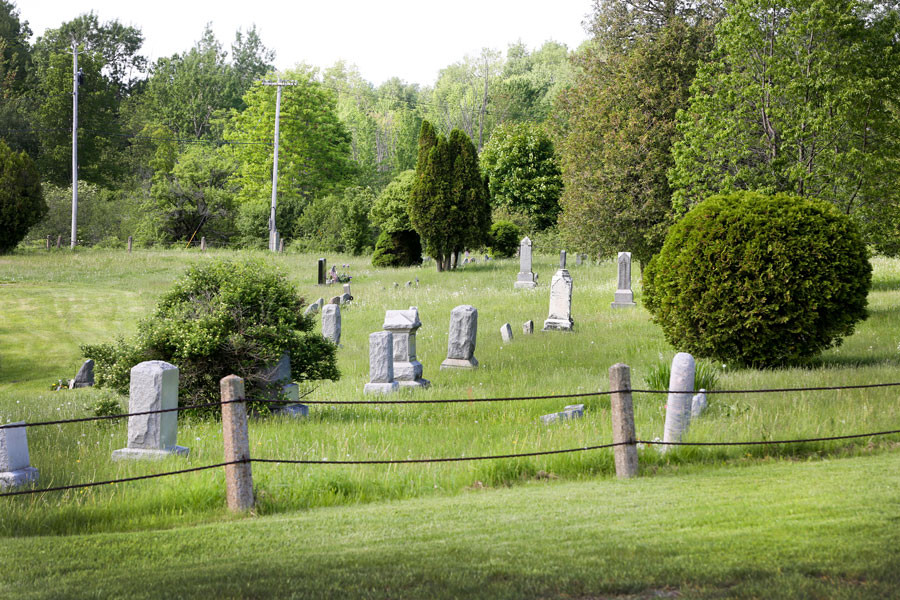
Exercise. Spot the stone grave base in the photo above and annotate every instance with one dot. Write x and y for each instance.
(9, 479)
(149, 453)
(573, 411)
(527, 285)
(407, 383)
(558, 325)
(293, 410)
(623, 299)
(459, 363)
(381, 388)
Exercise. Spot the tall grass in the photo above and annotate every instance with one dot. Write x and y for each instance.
(52, 302)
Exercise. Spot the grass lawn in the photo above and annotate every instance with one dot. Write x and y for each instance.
(823, 513)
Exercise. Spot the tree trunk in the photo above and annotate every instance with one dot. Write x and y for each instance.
(439, 262)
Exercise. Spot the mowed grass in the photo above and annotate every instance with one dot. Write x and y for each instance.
(52, 302)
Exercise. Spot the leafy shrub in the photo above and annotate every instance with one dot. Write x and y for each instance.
(21, 199)
(337, 223)
(397, 249)
(759, 280)
(505, 238)
(221, 318)
(706, 376)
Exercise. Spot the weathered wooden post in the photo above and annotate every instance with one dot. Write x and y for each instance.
(130, 241)
(203, 244)
(238, 478)
(48, 242)
(622, 410)
(58, 241)
(281, 244)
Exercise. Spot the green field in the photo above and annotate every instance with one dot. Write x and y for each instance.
(813, 520)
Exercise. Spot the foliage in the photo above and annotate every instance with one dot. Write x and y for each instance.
(337, 223)
(799, 97)
(759, 280)
(616, 126)
(252, 220)
(222, 318)
(397, 249)
(706, 376)
(390, 211)
(103, 214)
(314, 157)
(504, 239)
(21, 199)
(449, 202)
(15, 52)
(520, 165)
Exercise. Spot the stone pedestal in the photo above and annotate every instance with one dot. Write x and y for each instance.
(331, 323)
(15, 465)
(154, 386)
(403, 324)
(526, 278)
(381, 364)
(560, 317)
(624, 297)
(463, 333)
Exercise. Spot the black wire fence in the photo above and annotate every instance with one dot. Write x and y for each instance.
(630, 442)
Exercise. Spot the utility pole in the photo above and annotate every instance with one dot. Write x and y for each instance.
(76, 80)
(273, 230)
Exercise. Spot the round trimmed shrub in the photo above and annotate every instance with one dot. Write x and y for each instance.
(397, 249)
(21, 200)
(759, 280)
(505, 238)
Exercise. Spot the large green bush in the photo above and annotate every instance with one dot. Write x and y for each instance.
(21, 200)
(505, 237)
(222, 318)
(397, 249)
(759, 280)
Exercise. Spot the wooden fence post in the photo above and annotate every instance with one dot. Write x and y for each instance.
(130, 240)
(58, 241)
(622, 410)
(238, 478)
(203, 244)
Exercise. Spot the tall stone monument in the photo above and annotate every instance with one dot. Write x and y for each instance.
(404, 324)
(624, 296)
(331, 323)
(15, 465)
(322, 271)
(154, 386)
(463, 332)
(381, 364)
(560, 317)
(526, 278)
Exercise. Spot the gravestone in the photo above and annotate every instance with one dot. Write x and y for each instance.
(85, 376)
(526, 277)
(560, 316)
(279, 379)
(347, 289)
(312, 309)
(381, 364)
(528, 327)
(578, 259)
(506, 332)
(624, 297)
(320, 302)
(335, 300)
(404, 324)
(678, 404)
(154, 386)
(331, 323)
(322, 271)
(461, 343)
(573, 411)
(698, 404)
(15, 465)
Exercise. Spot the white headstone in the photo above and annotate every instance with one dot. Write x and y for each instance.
(526, 278)
(624, 297)
(311, 310)
(15, 466)
(560, 317)
(678, 405)
(506, 332)
(463, 334)
(154, 386)
(381, 364)
(331, 323)
(698, 404)
(528, 327)
(404, 324)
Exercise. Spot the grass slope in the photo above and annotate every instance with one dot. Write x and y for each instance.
(785, 529)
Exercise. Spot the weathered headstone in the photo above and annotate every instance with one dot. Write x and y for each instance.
(347, 289)
(85, 375)
(528, 327)
(335, 300)
(320, 302)
(15, 465)
(578, 259)
(526, 277)
(311, 309)
(381, 364)
(404, 324)
(322, 271)
(678, 404)
(506, 332)
(331, 322)
(624, 296)
(560, 316)
(698, 404)
(463, 334)
(573, 411)
(154, 386)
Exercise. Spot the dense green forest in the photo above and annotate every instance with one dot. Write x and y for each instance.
(600, 148)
